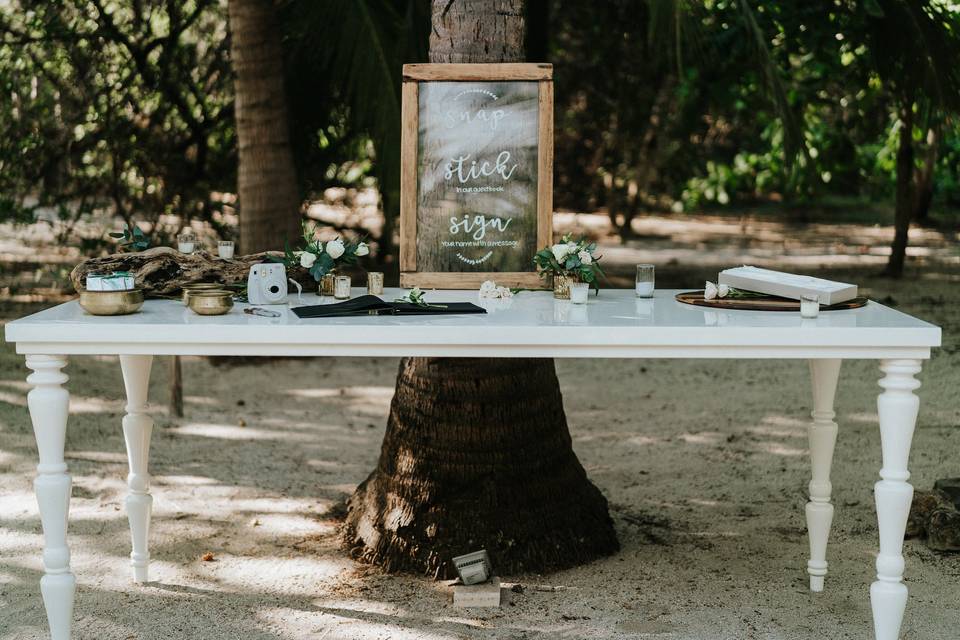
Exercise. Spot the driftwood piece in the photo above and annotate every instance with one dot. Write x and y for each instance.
(162, 271)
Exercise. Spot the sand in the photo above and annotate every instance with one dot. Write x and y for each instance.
(703, 462)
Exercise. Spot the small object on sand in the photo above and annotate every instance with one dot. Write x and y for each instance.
(207, 557)
(474, 567)
(477, 595)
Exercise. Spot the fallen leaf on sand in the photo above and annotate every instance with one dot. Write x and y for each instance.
(207, 557)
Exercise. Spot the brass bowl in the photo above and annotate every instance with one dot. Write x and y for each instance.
(111, 303)
(210, 302)
(199, 286)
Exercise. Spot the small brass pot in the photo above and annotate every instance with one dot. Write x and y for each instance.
(111, 303)
(210, 302)
(199, 286)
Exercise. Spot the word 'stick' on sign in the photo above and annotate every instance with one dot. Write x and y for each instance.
(476, 188)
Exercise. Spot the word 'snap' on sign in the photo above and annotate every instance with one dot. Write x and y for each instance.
(475, 198)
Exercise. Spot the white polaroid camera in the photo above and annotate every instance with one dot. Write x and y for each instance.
(267, 284)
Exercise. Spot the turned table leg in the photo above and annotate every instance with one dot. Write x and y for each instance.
(823, 436)
(897, 407)
(49, 404)
(137, 427)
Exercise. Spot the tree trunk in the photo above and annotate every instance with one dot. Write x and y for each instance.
(477, 453)
(923, 189)
(904, 196)
(269, 198)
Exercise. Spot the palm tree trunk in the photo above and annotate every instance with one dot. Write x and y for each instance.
(266, 177)
(923, 189)
(904, 197)
(477, 452)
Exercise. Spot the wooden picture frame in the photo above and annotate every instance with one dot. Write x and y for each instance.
(413, 274)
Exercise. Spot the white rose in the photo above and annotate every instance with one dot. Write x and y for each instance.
(307, 259)
(723, 290)
(335, 248)
(488, 289)
(585, 257)
(504, 292)
(362, 249)
(571, 246)
(710, 291)
(560, 252)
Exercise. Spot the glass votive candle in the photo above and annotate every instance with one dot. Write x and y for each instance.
(644, 282)
(375, 283)
(809, 306)
(579, 292)
(186, 242)
(341, 288)
(225, 249)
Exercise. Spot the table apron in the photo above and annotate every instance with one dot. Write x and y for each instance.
(476, 350)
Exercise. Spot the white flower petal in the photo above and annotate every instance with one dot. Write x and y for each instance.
(335, 248)
(710, 291)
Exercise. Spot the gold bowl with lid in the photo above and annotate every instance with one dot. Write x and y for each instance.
(111, 303)
(193, 287)
(210, 302)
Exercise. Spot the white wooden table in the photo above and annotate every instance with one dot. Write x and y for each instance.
(533, 324)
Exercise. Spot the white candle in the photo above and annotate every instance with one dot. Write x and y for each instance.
(579, 292)
(809, 306)
(644, 289)
(185, 247)
(225, 250)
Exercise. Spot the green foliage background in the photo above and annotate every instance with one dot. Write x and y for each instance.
(127, 106)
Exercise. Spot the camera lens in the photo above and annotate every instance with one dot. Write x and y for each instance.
(274, 289)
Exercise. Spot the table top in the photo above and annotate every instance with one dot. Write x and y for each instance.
(531, 324)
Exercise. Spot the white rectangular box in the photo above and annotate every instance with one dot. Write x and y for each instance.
(787, 285)
(110, 282)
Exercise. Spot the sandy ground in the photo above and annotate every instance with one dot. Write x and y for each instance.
(703, 462)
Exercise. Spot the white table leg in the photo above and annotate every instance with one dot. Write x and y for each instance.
(49, 405)
(823, 436)
(897, 407)
(137, 427)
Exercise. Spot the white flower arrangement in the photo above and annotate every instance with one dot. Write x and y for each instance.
(319, 258)
(489, 289)
(578, 260)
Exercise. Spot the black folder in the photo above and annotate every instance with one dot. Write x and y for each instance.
(374, 306)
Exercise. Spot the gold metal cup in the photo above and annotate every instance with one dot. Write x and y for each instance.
(210, 302)
(111, 303)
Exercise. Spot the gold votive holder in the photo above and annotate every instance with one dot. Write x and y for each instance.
(327, 283)
(341, 288)
(375, 283)
(561, 286)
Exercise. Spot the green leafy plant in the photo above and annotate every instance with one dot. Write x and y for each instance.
(131, 239)
(416, 297)
(574, 259)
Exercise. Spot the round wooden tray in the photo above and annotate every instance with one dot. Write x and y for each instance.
(767, 303)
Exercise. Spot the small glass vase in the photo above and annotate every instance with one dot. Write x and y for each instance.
(561, 285)
(327, 284)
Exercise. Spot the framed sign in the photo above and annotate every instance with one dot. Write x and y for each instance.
(476, 186)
